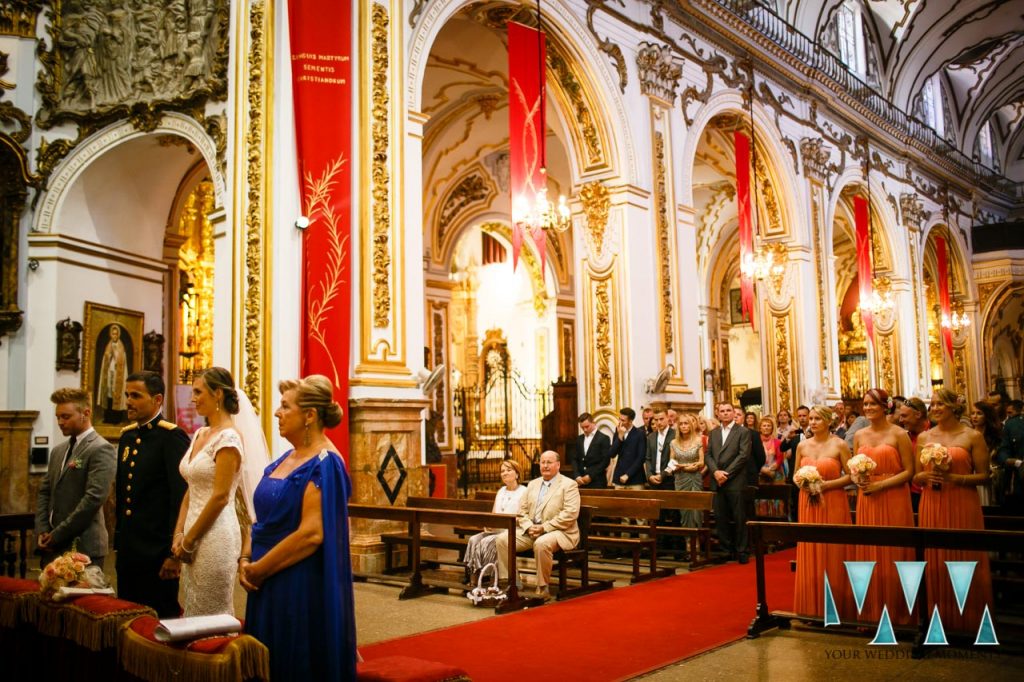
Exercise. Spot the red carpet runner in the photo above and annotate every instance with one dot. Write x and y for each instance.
(613, 635)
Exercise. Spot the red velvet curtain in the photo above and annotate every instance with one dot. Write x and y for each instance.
(943, 264)
(742, 143)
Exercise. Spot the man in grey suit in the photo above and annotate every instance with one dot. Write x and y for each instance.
(727, 457)
(77, 483)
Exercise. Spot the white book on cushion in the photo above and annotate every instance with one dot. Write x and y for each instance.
(177, 629)
(71, 592)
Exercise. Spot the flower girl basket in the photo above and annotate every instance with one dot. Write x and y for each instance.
(487, 597)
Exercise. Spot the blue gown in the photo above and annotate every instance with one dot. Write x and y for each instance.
(305, 613)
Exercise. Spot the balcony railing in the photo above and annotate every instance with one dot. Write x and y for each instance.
(786, 36)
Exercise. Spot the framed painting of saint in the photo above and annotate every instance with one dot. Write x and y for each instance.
(112, 350)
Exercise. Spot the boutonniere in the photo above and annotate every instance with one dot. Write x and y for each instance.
(76, 463)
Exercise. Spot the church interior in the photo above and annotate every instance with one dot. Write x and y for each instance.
(771, 204)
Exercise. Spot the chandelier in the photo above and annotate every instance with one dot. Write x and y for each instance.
(767, 261)
(957, 320)
(539, 213)
(881, 300)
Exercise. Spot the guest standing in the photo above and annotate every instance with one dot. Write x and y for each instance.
(296, 565)
(950, 500)
(591, 458)
(1011, 458)
(149, 493)
(773, 471)
(984, 421)
(77, 482)
(629, 447)
(825, 452)
(688, 455)
(884, 500)
(207, 537)
(480, 548)
(914, 418)
(785, 423)
(727, 458)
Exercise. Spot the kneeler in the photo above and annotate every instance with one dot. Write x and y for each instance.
(17, 635)
(210, 659)
(408, 669)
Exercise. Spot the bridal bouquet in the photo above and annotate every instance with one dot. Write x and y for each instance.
(809, 478)
(67, 570)
(938, 456)
(860, 467)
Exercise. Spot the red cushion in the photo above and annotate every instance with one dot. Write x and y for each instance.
(17, 585)
(407, 669)
(103, 605)
(146, 627)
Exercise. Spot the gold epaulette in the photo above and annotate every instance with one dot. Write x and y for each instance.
(164, 424)
(133, 425)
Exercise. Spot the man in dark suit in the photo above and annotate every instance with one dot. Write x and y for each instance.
(149, 494)
(630, 446)
(591, 461)
(797, 433)
(727, 458)
(659, 452)
(69, 510)
(1011, 456)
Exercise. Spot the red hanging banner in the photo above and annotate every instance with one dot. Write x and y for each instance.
(742, 143)
(526, 69)
(321, 33)
(864, 266)
(942, 259)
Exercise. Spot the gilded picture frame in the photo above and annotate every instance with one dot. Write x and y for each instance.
(736, 307)
(112, 349)
(737, 392)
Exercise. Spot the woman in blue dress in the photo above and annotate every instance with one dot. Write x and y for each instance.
(296, 564)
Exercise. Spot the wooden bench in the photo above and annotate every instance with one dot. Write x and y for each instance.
(456, 541)
(699, 539)
(415, 517)
(639, 538)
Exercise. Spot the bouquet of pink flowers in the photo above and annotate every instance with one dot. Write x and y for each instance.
(860, 467)
(67, 570)
(809, 478)
(938, 456)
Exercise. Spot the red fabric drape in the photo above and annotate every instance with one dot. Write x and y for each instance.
(943, 263)
(320, 32)
(526, 71)
(864, 269)
(746, 229)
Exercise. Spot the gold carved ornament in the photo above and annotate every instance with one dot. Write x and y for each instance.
(664, 266)
(604, 350)
(381, 178)
(254, 142)
(326, 291)
(782, 369)
(596, 203)
(819, 271)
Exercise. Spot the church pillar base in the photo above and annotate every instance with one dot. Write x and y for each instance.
(17, 489)
(386, 466)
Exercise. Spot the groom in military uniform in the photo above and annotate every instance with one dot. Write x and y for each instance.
(149, 494)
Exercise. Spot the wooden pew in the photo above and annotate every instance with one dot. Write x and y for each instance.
(762, 534)
(415, 517)
(639, 537)
(457, 541)
(21, 525)
(699, 539)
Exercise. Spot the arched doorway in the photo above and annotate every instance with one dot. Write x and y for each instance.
(945, 370)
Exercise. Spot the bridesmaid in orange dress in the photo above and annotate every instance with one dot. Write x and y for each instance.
(950, 500)
(884, 500)
(825, 452)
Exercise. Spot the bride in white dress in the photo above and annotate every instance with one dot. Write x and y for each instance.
(208, 537)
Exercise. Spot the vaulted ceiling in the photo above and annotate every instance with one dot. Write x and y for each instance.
(976, 45)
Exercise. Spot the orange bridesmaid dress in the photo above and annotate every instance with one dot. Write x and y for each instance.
(889, 507)
(955, 506)
(813, 559)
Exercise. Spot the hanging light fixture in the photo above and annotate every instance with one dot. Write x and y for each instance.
(767, 260)
(881, 300)
(537, 212)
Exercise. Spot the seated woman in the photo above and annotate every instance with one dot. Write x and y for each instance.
(480, 550)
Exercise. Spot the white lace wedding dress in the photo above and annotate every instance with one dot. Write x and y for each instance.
(209, 581)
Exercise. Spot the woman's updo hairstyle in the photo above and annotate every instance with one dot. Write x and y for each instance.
(219, 378)
(824, 412)
(315, 392)
(952, 400)
(881, 396)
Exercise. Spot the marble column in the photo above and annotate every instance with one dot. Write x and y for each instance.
(386, 465)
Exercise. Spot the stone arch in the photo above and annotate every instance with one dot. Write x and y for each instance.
(885, 225)
(957, 249)
(561, 25)
(106, 140)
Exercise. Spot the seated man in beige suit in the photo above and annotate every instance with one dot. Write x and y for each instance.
(547, 519)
